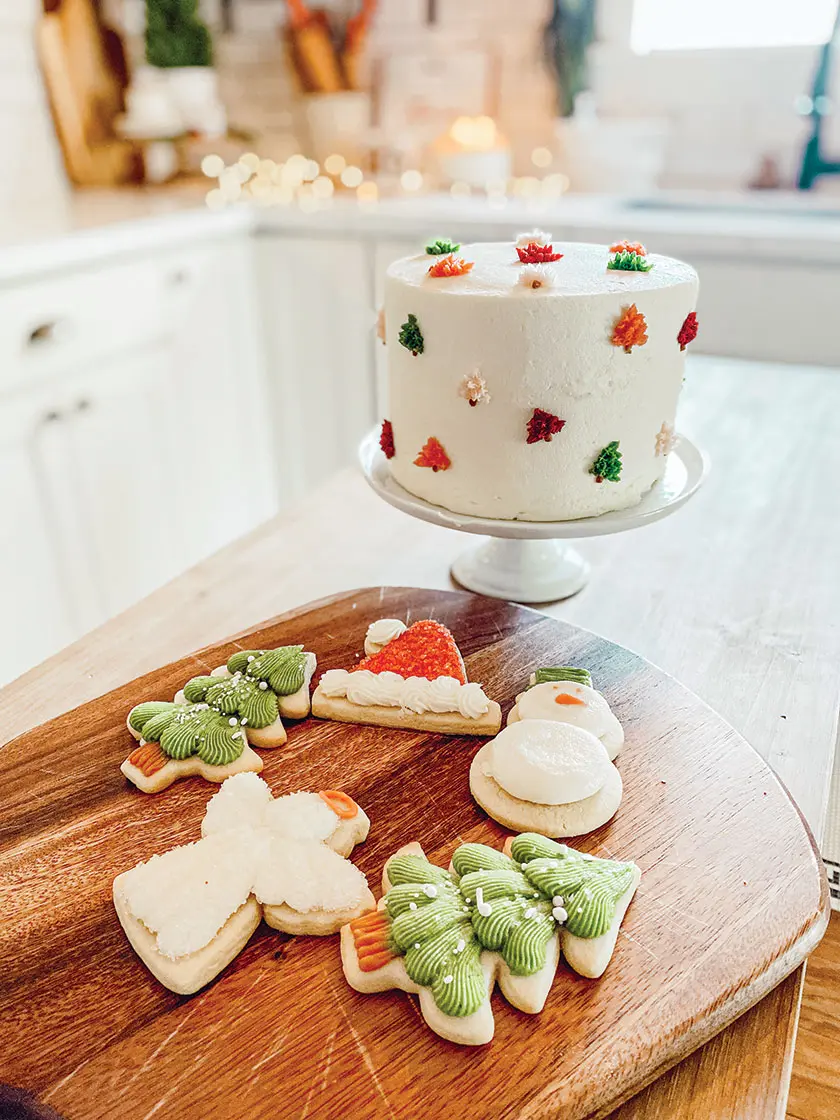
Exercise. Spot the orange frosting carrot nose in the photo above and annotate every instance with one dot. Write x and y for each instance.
(567, 698)
(342, 805)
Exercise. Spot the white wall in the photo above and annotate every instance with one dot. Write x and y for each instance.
(727, 108)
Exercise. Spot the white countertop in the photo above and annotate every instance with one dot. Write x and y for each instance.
(90, 225)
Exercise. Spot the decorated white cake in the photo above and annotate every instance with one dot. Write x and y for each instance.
(531, 380)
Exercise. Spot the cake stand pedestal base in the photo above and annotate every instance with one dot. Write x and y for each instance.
(529, 561)
(524, 571)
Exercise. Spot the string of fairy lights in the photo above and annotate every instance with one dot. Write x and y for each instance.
(304, 183)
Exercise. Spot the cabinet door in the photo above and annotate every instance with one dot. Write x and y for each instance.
(319, 318)
(217, 384)
(36, 602)
(120, 470)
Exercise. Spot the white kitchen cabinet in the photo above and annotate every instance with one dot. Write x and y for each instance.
(135, 435)
(319, 318)
(36, 609)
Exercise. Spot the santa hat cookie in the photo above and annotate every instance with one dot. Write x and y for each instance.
(414, 678)
(565, 694)
(190, 911)
(214, 720)
(449, 936)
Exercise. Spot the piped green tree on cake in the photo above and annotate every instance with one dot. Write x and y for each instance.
(411, 337)
(442, 246)
(607, 465)
(176, 35)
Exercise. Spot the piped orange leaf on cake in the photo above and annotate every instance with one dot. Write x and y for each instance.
(413, 677)
(450, 266)
(433, 455)
(630, 329)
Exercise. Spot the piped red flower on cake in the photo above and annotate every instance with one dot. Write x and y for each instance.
(450, 266)
(537, 254)
(413, 677)
(688, 331)
(433, 455)
(543, 425)
(630, 329)
(386, 439)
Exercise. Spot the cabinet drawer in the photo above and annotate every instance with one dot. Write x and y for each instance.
(62, 322)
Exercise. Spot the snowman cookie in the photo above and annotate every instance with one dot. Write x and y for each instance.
(543, 776)
(412, 677)
(565, 695)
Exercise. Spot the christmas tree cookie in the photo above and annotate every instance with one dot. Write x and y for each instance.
(214, 720)
(565, 694)
(190, 911)
(413, 677)
(449, 936)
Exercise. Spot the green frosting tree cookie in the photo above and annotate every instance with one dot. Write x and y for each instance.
(218, 710)
(439, 922)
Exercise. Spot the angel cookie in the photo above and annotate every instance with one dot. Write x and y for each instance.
(450, 935)
(190, 911)
(413, 677)
(209, 726)
(547, 777)
(565, 694)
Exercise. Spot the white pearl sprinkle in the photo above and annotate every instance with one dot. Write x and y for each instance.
(416, 944)
(243, 721)
(557, 900)
(461, 946)
(251, 658)
(580, 909)
(559, 914)
(263, 685)
(448, 979)
(587, 893)
(430, 890)
(484, 908)
(232, 721)
(531, 912)
(412, 905)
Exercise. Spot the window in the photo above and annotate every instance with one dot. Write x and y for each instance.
(667, 25)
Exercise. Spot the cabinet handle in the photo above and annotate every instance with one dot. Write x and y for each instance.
(45, 332)
(179, 277)
(52, 416)
(82, 405)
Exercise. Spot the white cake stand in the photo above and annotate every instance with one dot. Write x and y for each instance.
(528, 561)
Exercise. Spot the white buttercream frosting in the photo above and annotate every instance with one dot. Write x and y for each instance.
(535, 237)
(547, 763)
(547, 348)
(594, 714)
(413, 694)
(381, 632)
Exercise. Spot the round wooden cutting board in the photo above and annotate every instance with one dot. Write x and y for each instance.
(732, 899)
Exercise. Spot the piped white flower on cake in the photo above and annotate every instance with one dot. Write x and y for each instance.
(535, 276)
(536, 237)
(473, 388)
(666, 440)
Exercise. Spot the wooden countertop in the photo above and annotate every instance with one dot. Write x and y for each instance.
(736, 596)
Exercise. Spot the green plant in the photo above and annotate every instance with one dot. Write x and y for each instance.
(567, 37)
(176, 35)
(410, 336)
